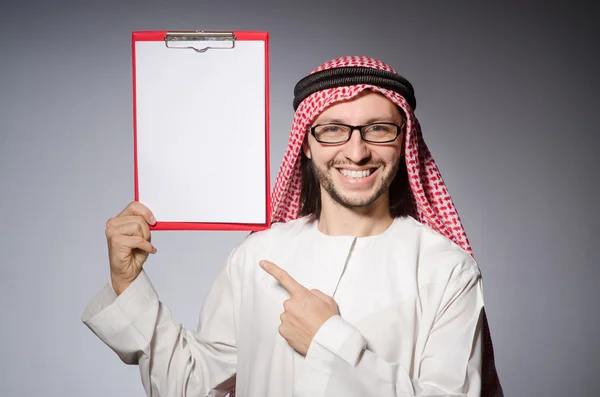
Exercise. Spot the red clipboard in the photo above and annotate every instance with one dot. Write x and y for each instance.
(198, 144)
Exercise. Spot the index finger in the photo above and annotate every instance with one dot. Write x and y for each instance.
(137, 208)
(283, 277)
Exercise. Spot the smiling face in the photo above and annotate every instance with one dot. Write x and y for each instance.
(356, 174)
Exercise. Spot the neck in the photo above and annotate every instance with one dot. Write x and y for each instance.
(337, 220)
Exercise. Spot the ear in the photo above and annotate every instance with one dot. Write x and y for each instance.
(306, 148)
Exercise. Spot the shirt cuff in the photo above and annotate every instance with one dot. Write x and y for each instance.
(108, 313)
(342, 339)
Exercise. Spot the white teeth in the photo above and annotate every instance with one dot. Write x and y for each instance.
(355, 174)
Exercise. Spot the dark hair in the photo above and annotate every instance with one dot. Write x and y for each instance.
(310, 193)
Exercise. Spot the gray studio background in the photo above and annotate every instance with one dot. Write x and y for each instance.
(507, 97)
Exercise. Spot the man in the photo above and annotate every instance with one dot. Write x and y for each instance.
(363, 286)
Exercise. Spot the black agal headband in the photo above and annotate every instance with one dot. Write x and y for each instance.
(351, 75)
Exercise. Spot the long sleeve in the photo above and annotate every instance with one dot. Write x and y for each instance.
(447, 356)
(172, 360)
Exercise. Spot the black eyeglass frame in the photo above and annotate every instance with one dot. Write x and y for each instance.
(360, 128)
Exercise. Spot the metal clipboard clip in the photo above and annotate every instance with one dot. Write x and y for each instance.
(200, 40)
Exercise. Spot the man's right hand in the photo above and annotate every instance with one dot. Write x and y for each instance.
(128, 238)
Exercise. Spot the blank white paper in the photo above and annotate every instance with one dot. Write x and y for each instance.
(201, 132)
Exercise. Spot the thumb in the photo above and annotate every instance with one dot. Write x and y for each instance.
(324, 297)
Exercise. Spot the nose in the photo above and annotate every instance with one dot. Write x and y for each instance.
(356, 150)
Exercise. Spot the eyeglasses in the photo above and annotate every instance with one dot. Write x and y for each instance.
(340, 133)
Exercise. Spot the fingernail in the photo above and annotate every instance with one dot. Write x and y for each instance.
(262, 264)
(152, 220)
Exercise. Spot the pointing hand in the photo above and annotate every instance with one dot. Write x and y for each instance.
(304, 312)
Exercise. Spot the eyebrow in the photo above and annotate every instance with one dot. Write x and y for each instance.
(380, 119)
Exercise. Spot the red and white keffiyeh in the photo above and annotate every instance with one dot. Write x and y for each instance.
(431, 200)
(433, 205)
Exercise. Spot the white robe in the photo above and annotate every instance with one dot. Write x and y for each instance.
(410, 305)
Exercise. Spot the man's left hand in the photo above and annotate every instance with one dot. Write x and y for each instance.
(304, 312)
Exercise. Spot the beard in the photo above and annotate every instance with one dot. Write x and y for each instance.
(326, 183)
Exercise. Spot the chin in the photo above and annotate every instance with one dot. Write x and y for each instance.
(364, 200)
